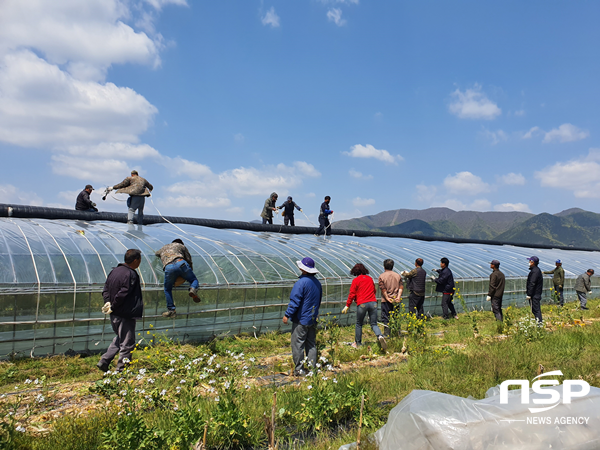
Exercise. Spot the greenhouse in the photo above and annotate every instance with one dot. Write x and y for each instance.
(53, 271)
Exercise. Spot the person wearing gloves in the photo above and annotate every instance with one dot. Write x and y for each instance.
(416, 286)
(138, 189)
(269, 209)
(535, 284)
(496, 289)
(583, 287)
(362, 290)
(324, 212)
(83, 202)
(445, 285)
(288, 211)
(303, 311)
(558, 279)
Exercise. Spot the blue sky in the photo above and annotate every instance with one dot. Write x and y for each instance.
(474, 105)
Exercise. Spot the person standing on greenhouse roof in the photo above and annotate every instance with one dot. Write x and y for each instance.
(390, 285)
(535, 284)
(324, 212)
(496, 289)
(583, 287)
(445, 285)
(288, 211)
(269, 208)
(83, 202)
(138, 189)
(416, 286)
(123, 295)
(177, 263)
(363, 291)
(558, 279)
(303, 311)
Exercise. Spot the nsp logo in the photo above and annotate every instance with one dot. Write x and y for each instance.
(553, 395)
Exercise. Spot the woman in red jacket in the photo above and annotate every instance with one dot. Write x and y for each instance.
(363, 291)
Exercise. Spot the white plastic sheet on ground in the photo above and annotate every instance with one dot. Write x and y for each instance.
(426, 420)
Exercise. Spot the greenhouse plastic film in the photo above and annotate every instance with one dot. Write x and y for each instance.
(426, 420)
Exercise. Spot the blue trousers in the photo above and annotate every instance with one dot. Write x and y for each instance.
(173, 271)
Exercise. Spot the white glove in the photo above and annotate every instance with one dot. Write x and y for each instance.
(590, 293)
(301, 210)
(110, 188)
(345, 310)
(106, 308)
(488, 299)
(528, 298)
(433, 278)
(404, 273)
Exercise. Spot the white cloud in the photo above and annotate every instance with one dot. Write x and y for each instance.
(465, 183)
(192, 169)
(425, 193)
(495, 136)
(512, 207)
(13, 195)
(95, 170)
(239, 138)
(271, 18)
(520, 113)
(512, 179)
(159, 4)
(113, 150)
(473, 104)
(565, 133)
(534, 131)
(43, 106)
(342, 2)
(368, 151)
(359, 175)
(580, 175)
(481, 204)
(335, 15)
(455, 204)
(358, 202)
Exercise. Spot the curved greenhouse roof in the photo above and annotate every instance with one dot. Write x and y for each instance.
(52, 273)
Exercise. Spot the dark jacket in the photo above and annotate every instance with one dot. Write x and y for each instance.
(83, 202)
(325, 211)
(122, 289)
(445, 282)
(416, 280)
(497, 282)
(583, 283)
(305, 301)
(535, 282)
(288, 208)
(270, 206)
(558, 275)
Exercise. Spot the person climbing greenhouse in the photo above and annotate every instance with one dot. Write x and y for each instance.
(138, 189)
(288, 211)
(177, 263)
(362, 290)
(324, 212)
(269, 208)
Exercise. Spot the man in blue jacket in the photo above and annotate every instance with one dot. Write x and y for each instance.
(324, 212)
(123, 292)
(303, 311)
(445, 285)
(535, 283)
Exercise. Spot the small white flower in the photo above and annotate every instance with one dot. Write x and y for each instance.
(211, 382)
(181, 357)
(142, 371)
(150, 380)
(310, 374)
(123, 393)
(309, 387)
(334, 380)
(106, 381)
(318, 365)
(182, 381)
(172, 361)
(227, 384)
(245, 367)
(245, 373)
(325, 378)
(126, 360)
(218, 366)
(163, 392)
(37, 381)
(40, 398)
(247, 387)
(27, 381)
(175, 408)
(217, 399)
(252, 360)
(20, 429)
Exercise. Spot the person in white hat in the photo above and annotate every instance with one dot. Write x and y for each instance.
(303, 311)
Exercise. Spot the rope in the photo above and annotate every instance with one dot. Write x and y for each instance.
(311, 222)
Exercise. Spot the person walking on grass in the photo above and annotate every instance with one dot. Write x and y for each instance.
(583, 287)
(177, 263)
(496, 289)
(390, 285)
(445, 285)
(303, 311)
(416, 286)
(123, 292)
(558, 279)
(535, 284)
(362, 290)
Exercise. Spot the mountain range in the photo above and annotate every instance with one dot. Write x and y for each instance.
(573, 227)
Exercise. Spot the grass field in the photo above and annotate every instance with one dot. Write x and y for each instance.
(171, 393)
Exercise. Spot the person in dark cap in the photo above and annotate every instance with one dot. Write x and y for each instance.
(303, 311)
(83, 202)
(496, 289)
(324, 212)
(558, 279)
(583, 287)
(535, 284)
(288, 211)
(138, 189)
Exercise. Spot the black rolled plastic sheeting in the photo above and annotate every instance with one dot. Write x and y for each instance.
(41, 212)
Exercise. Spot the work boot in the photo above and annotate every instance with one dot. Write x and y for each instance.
(585, 307)
(383, 343)
(194, 295)
(169, 313)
